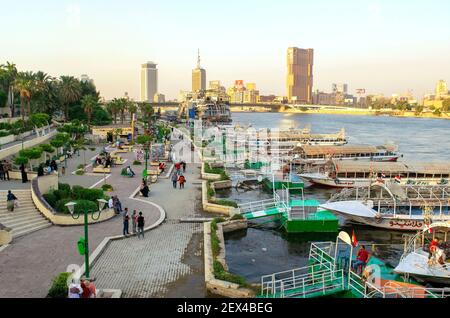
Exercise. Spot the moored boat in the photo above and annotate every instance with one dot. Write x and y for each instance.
(393, 206)
(352, 174)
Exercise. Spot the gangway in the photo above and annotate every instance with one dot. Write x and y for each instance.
(328, 274)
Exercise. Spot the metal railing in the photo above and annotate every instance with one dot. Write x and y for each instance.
(258, 206)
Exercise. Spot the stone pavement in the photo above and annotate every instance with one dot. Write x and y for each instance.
(29, 264)
(168, 261)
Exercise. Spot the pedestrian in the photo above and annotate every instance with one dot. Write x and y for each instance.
(182, 181)
(145, 190)
(75, 289)
(140, 224)
(183, 163)
(126, 219)
(10, 201)
(6, 168)
(89, 290)
(178, 167)
(134, 219)
(63, 171)
(174, 180)
(130, 172)
(111, 203)
(40, 171)
(2, 172)
(54, 165)
(24, 173)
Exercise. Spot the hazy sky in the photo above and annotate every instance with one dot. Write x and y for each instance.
(383, 46)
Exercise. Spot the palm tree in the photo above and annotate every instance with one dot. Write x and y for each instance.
(113, 108)
(88, 103)
(69, 92)
(10, 74)
(147, 113)
(24, 85)
(132, 109)
(44, 92)
(123, 107)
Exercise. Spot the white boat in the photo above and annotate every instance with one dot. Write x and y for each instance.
(416, 261)
(357, 173)
(308, 155)
(393, 206)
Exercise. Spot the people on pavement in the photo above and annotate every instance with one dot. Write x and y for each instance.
(140, 224)
(24, 173)
(126, 219)
(130, 172)
(10, 201)
(134, 219)
(182, 181)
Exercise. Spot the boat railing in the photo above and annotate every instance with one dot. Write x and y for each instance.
(356, 285)
(394, 289)
(258, 206)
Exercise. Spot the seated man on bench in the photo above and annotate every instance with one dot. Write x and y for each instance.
(361, 259)
(130, 172)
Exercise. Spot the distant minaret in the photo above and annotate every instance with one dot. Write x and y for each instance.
(198, 76)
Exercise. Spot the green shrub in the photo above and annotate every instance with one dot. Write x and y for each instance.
(64, 187)
(224, 176)
(20, 160)
(76, 191)
(137, 163)
(61, 194)
(79, 172)
(90, 194)
(59, 288)
(237, 217)
(107, 187)
(51, 199)
(211, 191)
(81, 206)
(81, 166)
(208, 169)
(215, 242)
(4, 133)
(60, 205)
(225, 202)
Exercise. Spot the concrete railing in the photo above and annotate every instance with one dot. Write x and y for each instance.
(46, 183)
(7, 152)
(214, 285)
(209, 176)
(212, 207)
(5, 235)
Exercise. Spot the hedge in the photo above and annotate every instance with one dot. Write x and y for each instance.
(51, 199)
(64, 187)
(87, 194)
(80, 206)
(59, 288)
(61, 194)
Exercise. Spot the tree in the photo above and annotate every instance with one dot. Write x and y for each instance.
(122, 107)
(446, 105)
(132, 109)
(113, 107)
(69, 91)
(9, 75)
(147, 112)
(88, 102)
(24, 85)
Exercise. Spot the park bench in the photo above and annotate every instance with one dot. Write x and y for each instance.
(101, 169)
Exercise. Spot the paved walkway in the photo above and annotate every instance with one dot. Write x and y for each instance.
(29, 264)
(168, 262)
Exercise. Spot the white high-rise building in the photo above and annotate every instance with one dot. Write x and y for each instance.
(149, 81)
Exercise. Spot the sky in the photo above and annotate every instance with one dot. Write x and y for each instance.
(385, 47)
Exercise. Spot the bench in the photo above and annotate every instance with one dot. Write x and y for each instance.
(101, 169)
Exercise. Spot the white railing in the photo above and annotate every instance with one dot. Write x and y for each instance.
(258, 206)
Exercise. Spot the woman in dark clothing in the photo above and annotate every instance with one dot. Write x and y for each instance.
(145, 190)
(40, 171)
(10, 199)
(24, 173)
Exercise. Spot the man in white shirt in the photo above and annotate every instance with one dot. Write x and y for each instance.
(111, 203)
(75, 290)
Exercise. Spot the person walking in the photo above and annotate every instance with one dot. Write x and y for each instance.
(126, 220)
(24, 173)
(178, 167)
(75, 289)
(10, 201)
(183, 163)
(140, 225)
(6, 169)
(182, 181)
(174, 180)
(2, 172)
(40, 171)
(134, 219)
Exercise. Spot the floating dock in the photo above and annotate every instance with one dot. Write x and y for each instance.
(295, 186)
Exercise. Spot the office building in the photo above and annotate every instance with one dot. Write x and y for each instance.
(300, 75)
(149, 81)
(198, 77)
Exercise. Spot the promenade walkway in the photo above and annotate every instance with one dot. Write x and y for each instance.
(29, 264)
(168, 262)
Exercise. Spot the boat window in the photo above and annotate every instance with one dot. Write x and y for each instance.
(420, 175)
(360, 175)
(341, 175)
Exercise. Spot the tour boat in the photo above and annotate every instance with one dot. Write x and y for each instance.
(352, 174)
(416, 261)
(393, 206)
(319, 154)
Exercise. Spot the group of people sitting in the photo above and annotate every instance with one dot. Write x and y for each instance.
(85, 289)
(48, 168)
(104, 160)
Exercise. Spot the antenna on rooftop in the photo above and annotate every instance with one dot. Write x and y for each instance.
(198, 59)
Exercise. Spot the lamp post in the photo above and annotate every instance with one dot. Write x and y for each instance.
(95, 217)
(145, 172)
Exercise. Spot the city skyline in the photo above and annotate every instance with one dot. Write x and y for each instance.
(104, 40)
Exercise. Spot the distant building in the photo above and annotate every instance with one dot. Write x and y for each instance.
(339, 88)
(86, 79)
(216, 92)
(322, 98)
(243, 94)
(442, 90)
(437, 100)
(159, 98)
(149, 81)
(198, 77)
(300, 75)
(267, 98)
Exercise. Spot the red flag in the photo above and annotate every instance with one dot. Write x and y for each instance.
(354, 240)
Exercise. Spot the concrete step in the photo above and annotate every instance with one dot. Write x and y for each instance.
(18, 222)
(3, 205)
(18, 216)
(18, 233)
(29, 225)
(18, 210)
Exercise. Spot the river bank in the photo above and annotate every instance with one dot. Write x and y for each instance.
(351, 112)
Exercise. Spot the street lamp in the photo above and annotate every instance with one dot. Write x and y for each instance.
(95, 216)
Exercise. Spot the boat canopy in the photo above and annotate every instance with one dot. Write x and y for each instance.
(437, 168)
(438, 226)
(321, 150)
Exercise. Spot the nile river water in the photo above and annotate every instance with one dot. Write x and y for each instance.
(267, 249)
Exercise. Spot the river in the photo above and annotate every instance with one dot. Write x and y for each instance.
(267, 249)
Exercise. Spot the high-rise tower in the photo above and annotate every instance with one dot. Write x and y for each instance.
(300, 75)
(149, 81)
(198, 77)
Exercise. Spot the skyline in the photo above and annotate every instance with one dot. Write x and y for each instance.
(109, 42)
